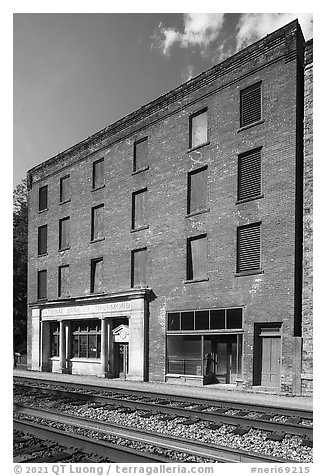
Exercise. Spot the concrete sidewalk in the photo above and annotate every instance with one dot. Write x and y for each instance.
(211, 392)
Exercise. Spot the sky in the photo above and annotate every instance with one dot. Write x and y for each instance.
(76, 73)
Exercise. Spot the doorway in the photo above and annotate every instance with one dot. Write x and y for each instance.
(121, 358)
(267, 361)
(222, 359)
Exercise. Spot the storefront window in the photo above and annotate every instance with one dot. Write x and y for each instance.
(54, 339)
(86, 339)
(184, 355)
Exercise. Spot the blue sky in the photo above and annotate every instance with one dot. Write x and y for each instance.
(75, 73)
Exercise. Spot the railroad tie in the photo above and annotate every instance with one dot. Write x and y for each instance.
(276, 436)
(214, 426)
(191, 421)
(294, 420)
(240, 430)
(307, 442)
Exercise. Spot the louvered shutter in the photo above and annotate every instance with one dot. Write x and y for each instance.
(42, 239)
(64, 233)
(64, 189)
(249, 247)
(140, 154)
(197, 190)
(249, 175)
(139, 209)
(97, 223)
(42, 285)
(250, 105)
(139, 263)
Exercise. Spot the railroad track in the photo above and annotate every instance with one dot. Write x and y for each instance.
(278, 422)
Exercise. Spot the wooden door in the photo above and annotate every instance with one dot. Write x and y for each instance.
(271, 361)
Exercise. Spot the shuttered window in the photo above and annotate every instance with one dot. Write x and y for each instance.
(97, 228)
(197, 257)
(249, 245)
(98, 173)
(64, 233)
(250, 105)
(197, 190)
(138, 267)
(65, 188)
(140, 154)
(63, 281)
(42, 239)
(43, 198)
(249, 175)
(198, 129)
(41, 284)
(139, 205)
(96, 275)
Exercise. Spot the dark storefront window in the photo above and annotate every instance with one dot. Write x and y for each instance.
(54, 339)
(86, 339)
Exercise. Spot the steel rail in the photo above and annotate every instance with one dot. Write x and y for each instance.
(206, 450)
(217, 417)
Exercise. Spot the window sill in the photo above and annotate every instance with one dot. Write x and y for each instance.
(145, 227)
(43, 299)
(55, 358)
(97, 240)
(42, 211)
(98, 188)
(64, 249)
(64, 201)
(142, 169)
(249, 273)
(198, 147)
(198, 212)
(195, 280)
(85, 359)
(42, 254)
(261, 121)
(244, 200)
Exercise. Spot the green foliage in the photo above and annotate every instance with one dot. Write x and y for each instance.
(20, 217)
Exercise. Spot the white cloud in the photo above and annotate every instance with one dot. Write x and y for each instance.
(200, 29)
(253, 26)
(188, 73)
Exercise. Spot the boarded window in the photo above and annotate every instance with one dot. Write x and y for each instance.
(64, 233)
(249, 175)
(140, 154)
(96, 275)
(197, 190)
(42, 239)
(249, 248)
(138, 267)
(63, 281)
(65, 188)
(139, 204)
(41, 284)
(198, 129)
(43, 198)
(97, 231)
(250, 105)
(98, 173)
(197, 257)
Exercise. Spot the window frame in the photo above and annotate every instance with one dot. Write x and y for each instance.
(61, 247)
(43, 188)
(86, 332)
(253, 270)
(54, 338)
(102, 237)
(94, 164)
(39, 240)
(94, 261)
(136, 169)
(60, 294)
(192, 173)
(190, 127)
(133, 211)
(242, 92)
(190, 277)
(241, 156)
(144, 271)
(61, 198)
(42, 272)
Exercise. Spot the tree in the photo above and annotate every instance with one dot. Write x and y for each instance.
(20, 217)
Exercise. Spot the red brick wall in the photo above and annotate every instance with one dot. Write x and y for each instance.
(267, 297)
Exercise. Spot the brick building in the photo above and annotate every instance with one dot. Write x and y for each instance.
(169, 246)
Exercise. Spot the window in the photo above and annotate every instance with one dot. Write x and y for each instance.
(96, 275)
(198, 129)
(197, 257)
(97, 228)
(208, 319)
(65, 189)
(250, 105)
(138, 267)
(54, 339)
(86, 339)
(43, 198)
(249, 175)
(42, 239)
(63, 284)
(139, 203)
(64, 233)
(197, 190)
(248, 252)
(98, 173)
(41, 284)
(140, 154)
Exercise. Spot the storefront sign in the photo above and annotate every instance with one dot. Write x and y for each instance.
(90, 309)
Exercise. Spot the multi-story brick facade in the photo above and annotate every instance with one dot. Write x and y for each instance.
(173, 250)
